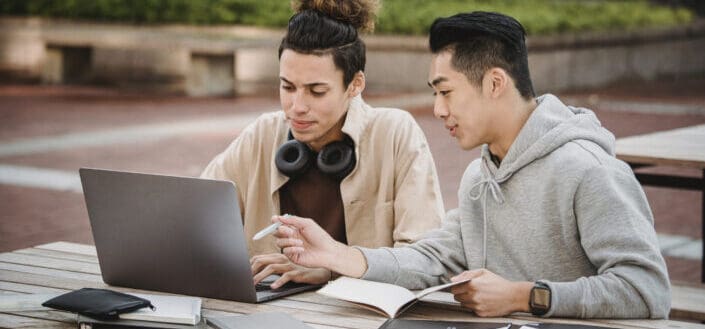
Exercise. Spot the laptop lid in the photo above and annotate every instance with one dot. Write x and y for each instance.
(173, 234)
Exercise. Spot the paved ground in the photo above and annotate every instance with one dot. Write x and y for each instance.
(47, 133)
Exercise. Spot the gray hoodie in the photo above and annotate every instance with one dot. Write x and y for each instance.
(560, 209)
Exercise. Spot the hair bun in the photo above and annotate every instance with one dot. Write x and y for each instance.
(360, 14)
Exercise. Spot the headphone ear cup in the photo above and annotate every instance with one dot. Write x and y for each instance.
(337, 159)
(293, 158)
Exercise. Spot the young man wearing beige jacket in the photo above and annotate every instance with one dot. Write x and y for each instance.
(364, 174)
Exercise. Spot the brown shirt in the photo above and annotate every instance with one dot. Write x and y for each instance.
(315, 195)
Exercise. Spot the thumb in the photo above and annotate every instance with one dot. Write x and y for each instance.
(466, 275)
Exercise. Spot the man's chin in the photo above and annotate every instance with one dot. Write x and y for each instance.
(467, 146)
(302, 136)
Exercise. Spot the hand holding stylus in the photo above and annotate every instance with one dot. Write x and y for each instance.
(268, 230)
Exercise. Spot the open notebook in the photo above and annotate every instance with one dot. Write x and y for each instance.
(387, 299)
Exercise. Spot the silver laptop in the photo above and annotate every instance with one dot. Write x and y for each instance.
(172, 234)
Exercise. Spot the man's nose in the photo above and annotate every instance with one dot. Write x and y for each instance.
(440, 110)
(299, 103)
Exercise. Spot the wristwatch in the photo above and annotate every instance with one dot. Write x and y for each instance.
(540, 299)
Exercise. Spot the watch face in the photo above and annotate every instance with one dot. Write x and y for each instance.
(541, 297)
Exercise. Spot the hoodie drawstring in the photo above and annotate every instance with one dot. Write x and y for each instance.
(487, 182)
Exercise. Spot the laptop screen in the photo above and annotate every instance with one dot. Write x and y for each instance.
(164, 233)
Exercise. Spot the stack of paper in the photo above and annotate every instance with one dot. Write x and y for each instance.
(174, 312)
(168, 309)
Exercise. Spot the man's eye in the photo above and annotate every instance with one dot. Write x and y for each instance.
(287, 87)
(317, 93)
(441, 92)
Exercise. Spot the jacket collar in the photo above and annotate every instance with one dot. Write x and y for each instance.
(356, 119)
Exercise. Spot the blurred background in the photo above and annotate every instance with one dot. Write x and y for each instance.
(162, 86)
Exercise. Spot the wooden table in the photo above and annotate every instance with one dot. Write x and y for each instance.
(683, 147)
(60, 267)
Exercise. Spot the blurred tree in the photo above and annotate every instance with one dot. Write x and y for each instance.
(698, 6)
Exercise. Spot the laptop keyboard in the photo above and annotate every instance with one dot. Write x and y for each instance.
(266, 286)
(263, 286)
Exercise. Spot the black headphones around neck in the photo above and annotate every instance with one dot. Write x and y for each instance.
(336, 159)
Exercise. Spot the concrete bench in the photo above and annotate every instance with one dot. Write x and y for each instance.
(185, 60)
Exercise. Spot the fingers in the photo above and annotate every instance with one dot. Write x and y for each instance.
(260, 261)
(295, 221)
(284, 243)
(303, 275)
(465, 292)
(290, 225)
(286, 232)
(286, 277)
(467, 287)
(467, 300)
(272, 269)
(292, 252)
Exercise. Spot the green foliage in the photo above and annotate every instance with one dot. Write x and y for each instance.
(396, 16)
(537, 16)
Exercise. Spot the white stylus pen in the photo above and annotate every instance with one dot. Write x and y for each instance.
(268, 230)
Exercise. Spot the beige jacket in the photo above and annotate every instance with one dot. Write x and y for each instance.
(389, 199)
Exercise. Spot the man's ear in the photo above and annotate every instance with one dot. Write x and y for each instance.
(357, 85)
(497, 81)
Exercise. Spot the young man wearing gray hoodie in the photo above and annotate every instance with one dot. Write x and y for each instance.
(549, 222)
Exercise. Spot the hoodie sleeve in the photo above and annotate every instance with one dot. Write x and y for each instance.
(422, 264)
(617, 234)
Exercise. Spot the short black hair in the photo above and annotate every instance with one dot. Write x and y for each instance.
(312, 32)
(482, 40)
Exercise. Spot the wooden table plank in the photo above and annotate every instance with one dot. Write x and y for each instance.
(70, 247)
(50, 273)
(689, 303)
(677, 147)
(50, 263)
(314, 309)
(322, 316)
(8, 320)
(58, 255)
(47, 280)
(53, 315)
(25, 288)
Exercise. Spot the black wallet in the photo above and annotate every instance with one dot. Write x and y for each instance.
(99, 304)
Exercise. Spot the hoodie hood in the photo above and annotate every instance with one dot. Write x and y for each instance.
(551, 125)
